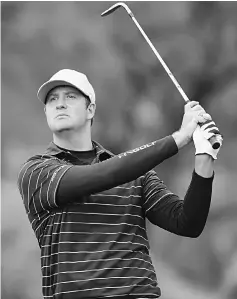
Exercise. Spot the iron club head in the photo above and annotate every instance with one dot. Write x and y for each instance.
(114, 7)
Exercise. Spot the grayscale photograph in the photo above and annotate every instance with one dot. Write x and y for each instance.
(119, 150)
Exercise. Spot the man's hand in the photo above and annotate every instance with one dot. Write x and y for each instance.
(200, 139)
(193, 114)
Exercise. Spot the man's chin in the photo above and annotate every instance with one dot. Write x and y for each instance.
(61, 129)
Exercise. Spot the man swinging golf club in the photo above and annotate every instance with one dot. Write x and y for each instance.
(88, 207)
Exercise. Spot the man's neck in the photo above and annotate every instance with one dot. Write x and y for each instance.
(74, 142)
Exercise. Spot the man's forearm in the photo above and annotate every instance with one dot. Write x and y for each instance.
(197, 203)
(185, 217)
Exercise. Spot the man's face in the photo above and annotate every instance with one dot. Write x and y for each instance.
(66, 109)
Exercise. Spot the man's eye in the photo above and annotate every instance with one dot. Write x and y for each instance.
(71, 96)
(52, 99)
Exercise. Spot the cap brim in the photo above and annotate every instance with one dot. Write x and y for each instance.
(47, 86)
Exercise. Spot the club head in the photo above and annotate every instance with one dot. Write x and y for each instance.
(114, 7)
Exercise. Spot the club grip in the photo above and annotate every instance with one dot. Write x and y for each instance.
(216, 141)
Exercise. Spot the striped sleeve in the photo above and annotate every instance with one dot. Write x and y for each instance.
(154, 191)
(38, 182)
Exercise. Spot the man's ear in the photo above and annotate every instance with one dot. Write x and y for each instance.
(91, 109)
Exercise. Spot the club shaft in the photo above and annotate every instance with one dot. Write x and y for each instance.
(183, 94)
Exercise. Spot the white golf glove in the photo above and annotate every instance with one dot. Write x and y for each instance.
(200, 139)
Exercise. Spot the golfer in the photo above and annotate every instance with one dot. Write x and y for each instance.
(88, 207)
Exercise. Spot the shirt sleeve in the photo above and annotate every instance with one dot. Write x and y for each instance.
(183, 217)
(82, 181)
(38, 181)
(154, 191)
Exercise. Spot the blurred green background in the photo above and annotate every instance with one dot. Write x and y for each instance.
(136, 103)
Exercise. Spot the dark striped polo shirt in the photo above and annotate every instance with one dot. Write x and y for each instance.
(96, 247)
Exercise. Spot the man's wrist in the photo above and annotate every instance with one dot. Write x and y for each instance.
(180, 139)
(204, 164)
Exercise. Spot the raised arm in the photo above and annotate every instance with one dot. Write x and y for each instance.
(79, 181)
(186, 217)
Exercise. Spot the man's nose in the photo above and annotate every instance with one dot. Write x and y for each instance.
(61, 103)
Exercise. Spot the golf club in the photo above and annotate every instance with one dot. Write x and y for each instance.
(215, 140)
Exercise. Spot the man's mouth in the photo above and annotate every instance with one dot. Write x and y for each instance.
(61, 115)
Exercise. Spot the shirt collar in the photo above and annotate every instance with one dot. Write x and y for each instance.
(101, 152)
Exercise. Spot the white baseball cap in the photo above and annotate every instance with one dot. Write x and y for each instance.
(67, 77)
